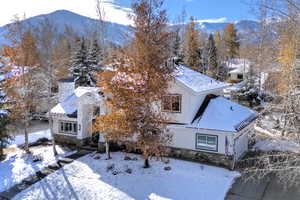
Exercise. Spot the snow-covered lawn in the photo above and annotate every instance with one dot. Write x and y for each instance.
(33, 137)
(89, 178)
(18, 165)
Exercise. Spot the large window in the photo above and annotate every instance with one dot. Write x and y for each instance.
(206, 142)
(171, 103)
(69, 128)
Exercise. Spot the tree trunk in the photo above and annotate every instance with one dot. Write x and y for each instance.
(1, 149)
(53, 140)
(146, 163)
(26, 138)
(107, 150)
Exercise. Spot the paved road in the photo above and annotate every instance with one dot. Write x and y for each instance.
(267, 189)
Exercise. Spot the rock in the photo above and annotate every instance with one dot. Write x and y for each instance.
(167, 168)
(37, 158)
(127, 158)
(115, 172)
(135, 158)
(167, 161)
(110, 167)
(128, 171)
(97, 157)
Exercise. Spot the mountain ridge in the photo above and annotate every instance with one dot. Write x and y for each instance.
(116, 33)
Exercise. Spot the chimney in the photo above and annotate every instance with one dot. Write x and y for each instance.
(66, 87)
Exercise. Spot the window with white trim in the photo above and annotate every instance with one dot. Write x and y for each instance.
(206, 142)
(69, 128)
(171, 103)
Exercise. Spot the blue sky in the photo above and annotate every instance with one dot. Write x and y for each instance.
(232, 10)
(116, 10)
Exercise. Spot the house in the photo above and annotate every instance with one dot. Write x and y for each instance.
(205, 126)
(71, 119)
(238, 69)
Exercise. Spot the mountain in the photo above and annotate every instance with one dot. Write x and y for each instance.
(116, 33)
(82, 25)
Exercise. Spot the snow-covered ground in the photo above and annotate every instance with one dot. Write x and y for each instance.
(18, 165)
(272, 141)
(90, 178)
(33, 137)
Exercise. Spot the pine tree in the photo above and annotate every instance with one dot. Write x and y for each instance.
(5, 137)
(176, 47)
(95, 56)
(231, 41)
(80, 69)
(212, 58)
(192, 47)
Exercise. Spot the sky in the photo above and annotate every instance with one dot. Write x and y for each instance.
(117, 10)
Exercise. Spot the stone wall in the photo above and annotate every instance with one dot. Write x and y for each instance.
(202, 157)
(65, 139)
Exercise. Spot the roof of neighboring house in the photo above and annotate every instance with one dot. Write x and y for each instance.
(196, 81)
(219, 113)
(238, 66)
(69, 105)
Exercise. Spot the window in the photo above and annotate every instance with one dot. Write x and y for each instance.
(68, 127)
(207, 142)
(240, 76)
(171, 103)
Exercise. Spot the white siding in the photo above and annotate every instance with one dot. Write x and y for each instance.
(190, 102)
(185, 138)
(241, 140)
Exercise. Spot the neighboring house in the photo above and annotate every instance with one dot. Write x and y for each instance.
(205, 126)
(72, 118)
(238, 69)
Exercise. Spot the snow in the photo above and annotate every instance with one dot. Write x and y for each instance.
(238, 66)
(88, 178)
(69, 105)
(222, 114)
(196, 81)
(273, 142)
(33, 137)
(18, 165)
(276, 144)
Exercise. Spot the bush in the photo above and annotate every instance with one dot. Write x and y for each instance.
(167, 168)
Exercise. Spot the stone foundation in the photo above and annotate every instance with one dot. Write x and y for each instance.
(65, 139)
(202, 157)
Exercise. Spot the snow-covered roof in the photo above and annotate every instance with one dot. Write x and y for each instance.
(224, 115)
(69, 105)
(238, 66)
(196, 81)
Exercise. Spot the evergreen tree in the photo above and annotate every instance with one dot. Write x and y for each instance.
(95, 57)
(80, 69)
(212, 58)
(176, 47)
(5, 137)
(231, 41)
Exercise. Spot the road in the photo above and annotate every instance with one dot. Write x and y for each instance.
(267, 189)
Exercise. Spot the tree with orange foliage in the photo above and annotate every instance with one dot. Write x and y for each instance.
(231, 42)
(136, 85)
(22, 87)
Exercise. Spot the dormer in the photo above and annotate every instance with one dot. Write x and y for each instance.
(186, 94)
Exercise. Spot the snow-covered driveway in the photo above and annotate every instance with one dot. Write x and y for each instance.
(89, 178)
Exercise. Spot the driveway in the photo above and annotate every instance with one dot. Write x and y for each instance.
(267, 189)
